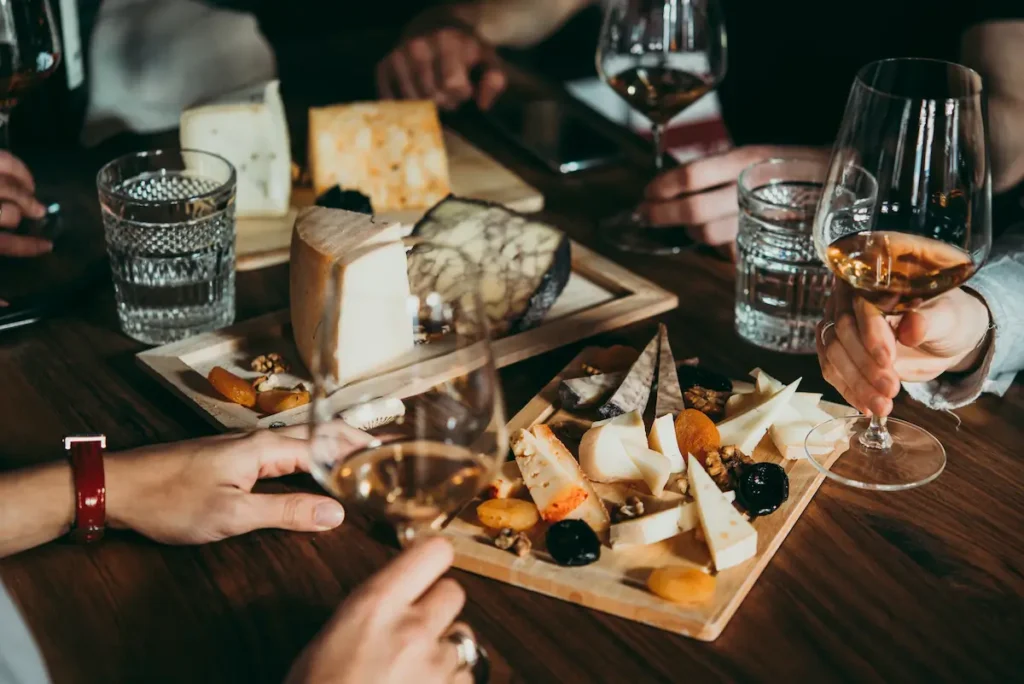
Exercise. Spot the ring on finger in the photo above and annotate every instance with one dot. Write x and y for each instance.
(470, 655)
(828, 325)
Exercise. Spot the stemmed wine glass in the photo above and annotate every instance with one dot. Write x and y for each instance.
(905, 216)
(30, 52)
(660, 56)
(437, 421)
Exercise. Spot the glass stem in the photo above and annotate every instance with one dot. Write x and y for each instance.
(659, 152)
(5, 137)
(877, 435)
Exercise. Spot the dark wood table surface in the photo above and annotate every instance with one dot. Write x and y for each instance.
(922, 585)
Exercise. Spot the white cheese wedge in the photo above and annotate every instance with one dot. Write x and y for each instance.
(248, 129)
(603, 456)
(805, 402)
(730, 538)
(654, 468)
(790, 439)
(746, 429)
(663, 440)
(375, 330)
(656, 527)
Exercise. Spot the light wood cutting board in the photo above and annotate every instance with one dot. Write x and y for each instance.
(616, 583)
(475, 175)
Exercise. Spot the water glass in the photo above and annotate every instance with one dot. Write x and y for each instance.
(169, 222)
(781, 284)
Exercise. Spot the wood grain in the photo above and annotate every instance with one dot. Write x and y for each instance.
(263, 242)
(600, 296)
(926, 585)
(616, 582)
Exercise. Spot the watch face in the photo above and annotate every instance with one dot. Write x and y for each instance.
(71, 439)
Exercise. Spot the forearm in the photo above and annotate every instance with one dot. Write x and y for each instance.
(516, 23)
(37, 505)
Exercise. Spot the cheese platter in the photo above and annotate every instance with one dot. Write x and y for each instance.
(685, 521)
(548, 291)
(395, 153)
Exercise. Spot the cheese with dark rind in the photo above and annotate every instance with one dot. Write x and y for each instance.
(635, 389)
(374, 331)
(578, 393)
(669, 398)
(524, 264)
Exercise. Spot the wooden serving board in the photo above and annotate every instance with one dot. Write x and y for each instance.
(600, 296)
(616, 583)
(262, 242)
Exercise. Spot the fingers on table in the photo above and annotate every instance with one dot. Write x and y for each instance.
(692, 209)
(23, 245)
(704, 173)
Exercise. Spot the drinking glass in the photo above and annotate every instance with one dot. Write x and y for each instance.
(781, 284)
(169, 223)
(434, 412)
(660, 56)
(905, 216)
(29, 53)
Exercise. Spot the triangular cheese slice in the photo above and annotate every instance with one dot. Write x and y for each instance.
(663, 440)
(746, 429)
(730, 538)
(635, 390)
(654, 467)
(670, 397)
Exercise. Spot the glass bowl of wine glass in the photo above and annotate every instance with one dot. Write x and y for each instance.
(905, 217)
(427, 394)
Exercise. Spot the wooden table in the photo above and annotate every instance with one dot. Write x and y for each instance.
(927, 584)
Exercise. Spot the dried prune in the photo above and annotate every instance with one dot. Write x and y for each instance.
(763, 487)
(573, 543)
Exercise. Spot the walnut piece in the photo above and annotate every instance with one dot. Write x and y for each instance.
(709, 402)
(269, 363)
(724, 465)
(632, 508)
(516, 542)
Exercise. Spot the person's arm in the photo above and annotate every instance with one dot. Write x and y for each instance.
(516, 23)
(996, 51)
(184, 493)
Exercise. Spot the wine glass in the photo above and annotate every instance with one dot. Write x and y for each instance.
(660, 56)
(30, 52)
(437, 421)
(905, 216)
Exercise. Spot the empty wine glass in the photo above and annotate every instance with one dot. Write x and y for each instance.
(660, 56)
(905, 216)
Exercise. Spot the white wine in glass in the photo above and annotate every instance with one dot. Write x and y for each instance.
(435, 414)
(660, 56)
(905, 216)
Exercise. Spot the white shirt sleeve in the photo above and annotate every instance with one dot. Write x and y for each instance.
(20, 661)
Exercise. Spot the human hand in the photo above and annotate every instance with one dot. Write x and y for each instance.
(391, 629)
(201, 491)
(436, 63)
(865, 355)
(17, 201)
(702, 195)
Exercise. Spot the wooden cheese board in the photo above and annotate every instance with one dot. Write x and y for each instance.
(600, 296)
(263, 242)
(616, 583)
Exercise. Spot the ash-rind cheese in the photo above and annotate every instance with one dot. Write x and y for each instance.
(393, 152)
(669, 399)
(523, 264)
(374, 330)
(635, 390)
(248, 129)
(578, 393)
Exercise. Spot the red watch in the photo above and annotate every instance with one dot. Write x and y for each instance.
(86, 456)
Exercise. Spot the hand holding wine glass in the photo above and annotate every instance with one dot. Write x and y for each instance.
(905, 217)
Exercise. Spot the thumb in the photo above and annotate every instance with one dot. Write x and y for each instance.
(298, 512)
(935, 328)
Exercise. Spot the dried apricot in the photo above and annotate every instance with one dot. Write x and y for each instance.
(680, 584)
(696, 433)
(514, 514)
(232, 387)
(275, 401)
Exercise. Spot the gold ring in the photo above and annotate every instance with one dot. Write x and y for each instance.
(466, 649)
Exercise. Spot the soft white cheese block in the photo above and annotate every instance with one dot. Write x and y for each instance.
(603, 455)
(656, 527)
(663, 440)
(248, 129)
(374, 331)
(746, 429)
(730, 538)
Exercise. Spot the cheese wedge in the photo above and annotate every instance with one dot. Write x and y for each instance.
(790, 439)
(374, 331)
(730, 538)
(663, 440)
(669, 398)
(392, 152)
(656, 527)
(746, 429)
(654, 468)
(603, 455)
(635, 390)
(248, 128)
(555, 481)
